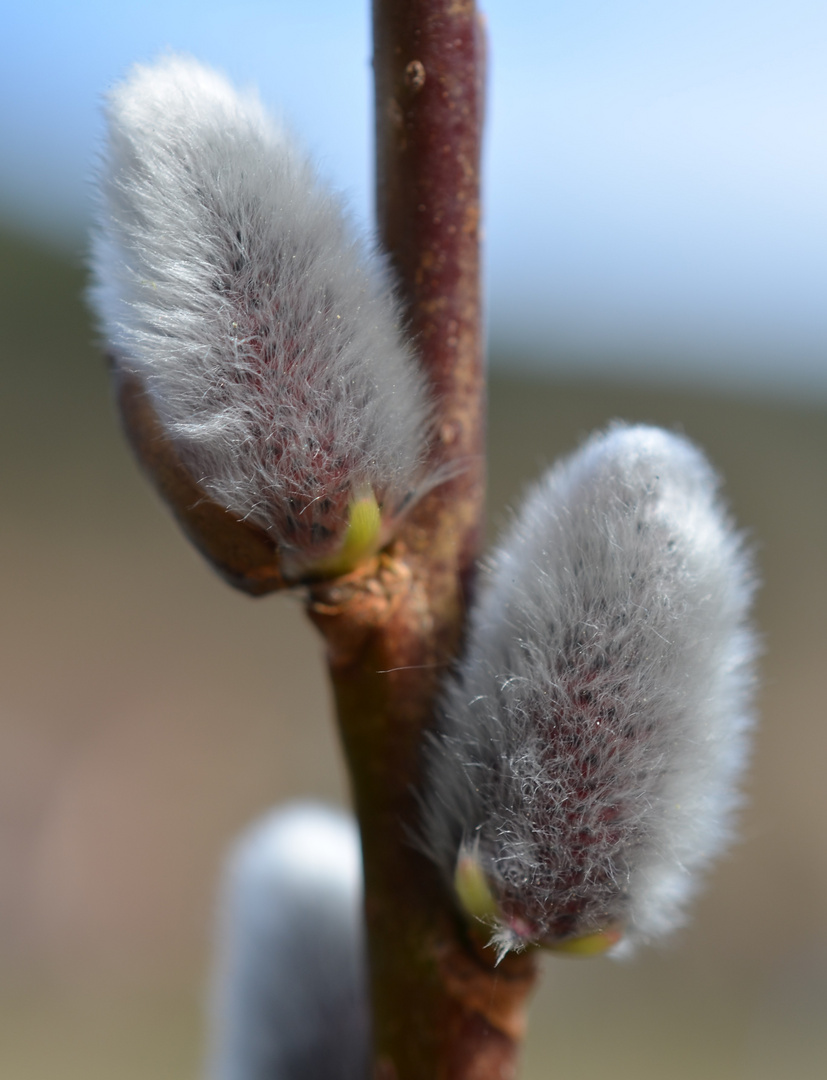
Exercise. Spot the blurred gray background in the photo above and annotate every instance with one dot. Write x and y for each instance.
(656, 239)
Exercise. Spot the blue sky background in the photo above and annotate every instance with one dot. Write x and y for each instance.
(656, 173)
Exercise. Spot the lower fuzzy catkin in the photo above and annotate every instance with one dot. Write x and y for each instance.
(590, 742)
(226, 279)
(290, 999)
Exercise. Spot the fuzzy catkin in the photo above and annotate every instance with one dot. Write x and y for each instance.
(593, 735)
(290, 999)
(226, 278)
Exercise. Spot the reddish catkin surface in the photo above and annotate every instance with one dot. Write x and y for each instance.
(229, 282)
(593, 733)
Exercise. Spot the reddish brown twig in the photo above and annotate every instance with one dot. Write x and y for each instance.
(442, 1010)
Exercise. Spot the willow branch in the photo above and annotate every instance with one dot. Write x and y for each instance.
(442, 1009)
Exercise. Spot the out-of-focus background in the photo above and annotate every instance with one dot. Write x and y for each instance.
(657, 248)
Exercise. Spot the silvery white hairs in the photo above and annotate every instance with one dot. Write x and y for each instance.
(290, 999)
(268, 338)
(592, 738)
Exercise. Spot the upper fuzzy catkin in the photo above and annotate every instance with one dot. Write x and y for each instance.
(225, 277)
(592, 738)
(290, 1000)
